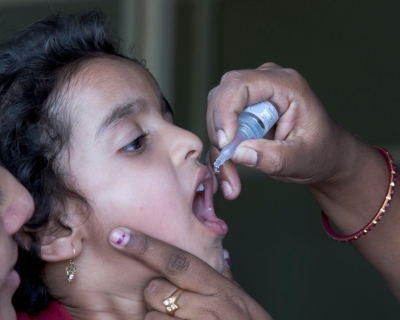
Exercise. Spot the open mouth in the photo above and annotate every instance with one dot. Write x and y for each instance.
(203, 207)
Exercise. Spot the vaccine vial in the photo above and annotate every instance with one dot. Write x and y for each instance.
(253, 123)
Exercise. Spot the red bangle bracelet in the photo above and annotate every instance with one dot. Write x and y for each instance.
(379, 214)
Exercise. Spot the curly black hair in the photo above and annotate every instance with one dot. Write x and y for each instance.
(35, 64)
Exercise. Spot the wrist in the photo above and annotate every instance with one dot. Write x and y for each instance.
(378, 215)
(354, 193)
(347, 161)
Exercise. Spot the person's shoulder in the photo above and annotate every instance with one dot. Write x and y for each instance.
(53, 312)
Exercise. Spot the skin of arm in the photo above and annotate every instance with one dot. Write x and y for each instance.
(347, 177)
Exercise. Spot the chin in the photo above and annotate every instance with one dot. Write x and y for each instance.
(216, 261)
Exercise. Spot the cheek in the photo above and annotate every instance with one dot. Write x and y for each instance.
(147, 202)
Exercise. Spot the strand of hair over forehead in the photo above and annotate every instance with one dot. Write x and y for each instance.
(31, 63)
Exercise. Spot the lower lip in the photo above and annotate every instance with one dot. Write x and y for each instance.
(214, 224)
(218, 227)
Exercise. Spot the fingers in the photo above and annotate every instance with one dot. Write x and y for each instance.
(229, 303)
(239, 89)
(207, 295)
(189, 303)
(275, 158)
(179, 267)
(228, 177)
(158, 290)
(155, 315)
(305, 137)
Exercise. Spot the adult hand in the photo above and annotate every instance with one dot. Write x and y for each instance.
(16, 207)
(306, 140)
(348, 178)
(208, 294)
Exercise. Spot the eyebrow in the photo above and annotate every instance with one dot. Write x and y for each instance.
(118, 114)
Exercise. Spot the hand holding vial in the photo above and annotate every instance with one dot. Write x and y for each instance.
(347, 177)
(253, 123)
(306, 138)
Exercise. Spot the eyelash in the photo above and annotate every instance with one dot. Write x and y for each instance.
(141, 139)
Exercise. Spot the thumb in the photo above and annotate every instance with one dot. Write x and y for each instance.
(273, 157)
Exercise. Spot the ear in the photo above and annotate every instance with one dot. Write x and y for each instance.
(63, 240)
(61, 246)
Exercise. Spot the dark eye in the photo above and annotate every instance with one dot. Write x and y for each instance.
(136, 144)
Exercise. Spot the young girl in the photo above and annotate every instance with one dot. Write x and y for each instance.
(89, 133)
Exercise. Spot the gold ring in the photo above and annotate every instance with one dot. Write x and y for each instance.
(170, 302)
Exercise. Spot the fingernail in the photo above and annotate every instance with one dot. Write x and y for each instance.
(227, 259)
(246, 156)
(226, 188)
(120, 237)
(222, 140)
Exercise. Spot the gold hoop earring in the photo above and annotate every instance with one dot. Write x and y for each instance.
(71, 269)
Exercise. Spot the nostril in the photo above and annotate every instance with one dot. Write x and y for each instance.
(190, 154)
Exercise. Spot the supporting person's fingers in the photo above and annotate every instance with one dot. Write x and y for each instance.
(157, 291)
(160, 290)
(189, 303)
(160, 294)
(208, 293)
(178, 266)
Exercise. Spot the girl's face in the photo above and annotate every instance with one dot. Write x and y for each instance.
(135, 167)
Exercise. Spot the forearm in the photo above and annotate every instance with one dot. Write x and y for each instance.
(354, 196)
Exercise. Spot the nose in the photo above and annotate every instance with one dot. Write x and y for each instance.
(184, 145)
(16, 205)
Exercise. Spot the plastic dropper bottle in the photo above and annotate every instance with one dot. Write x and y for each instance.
(253, 123)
